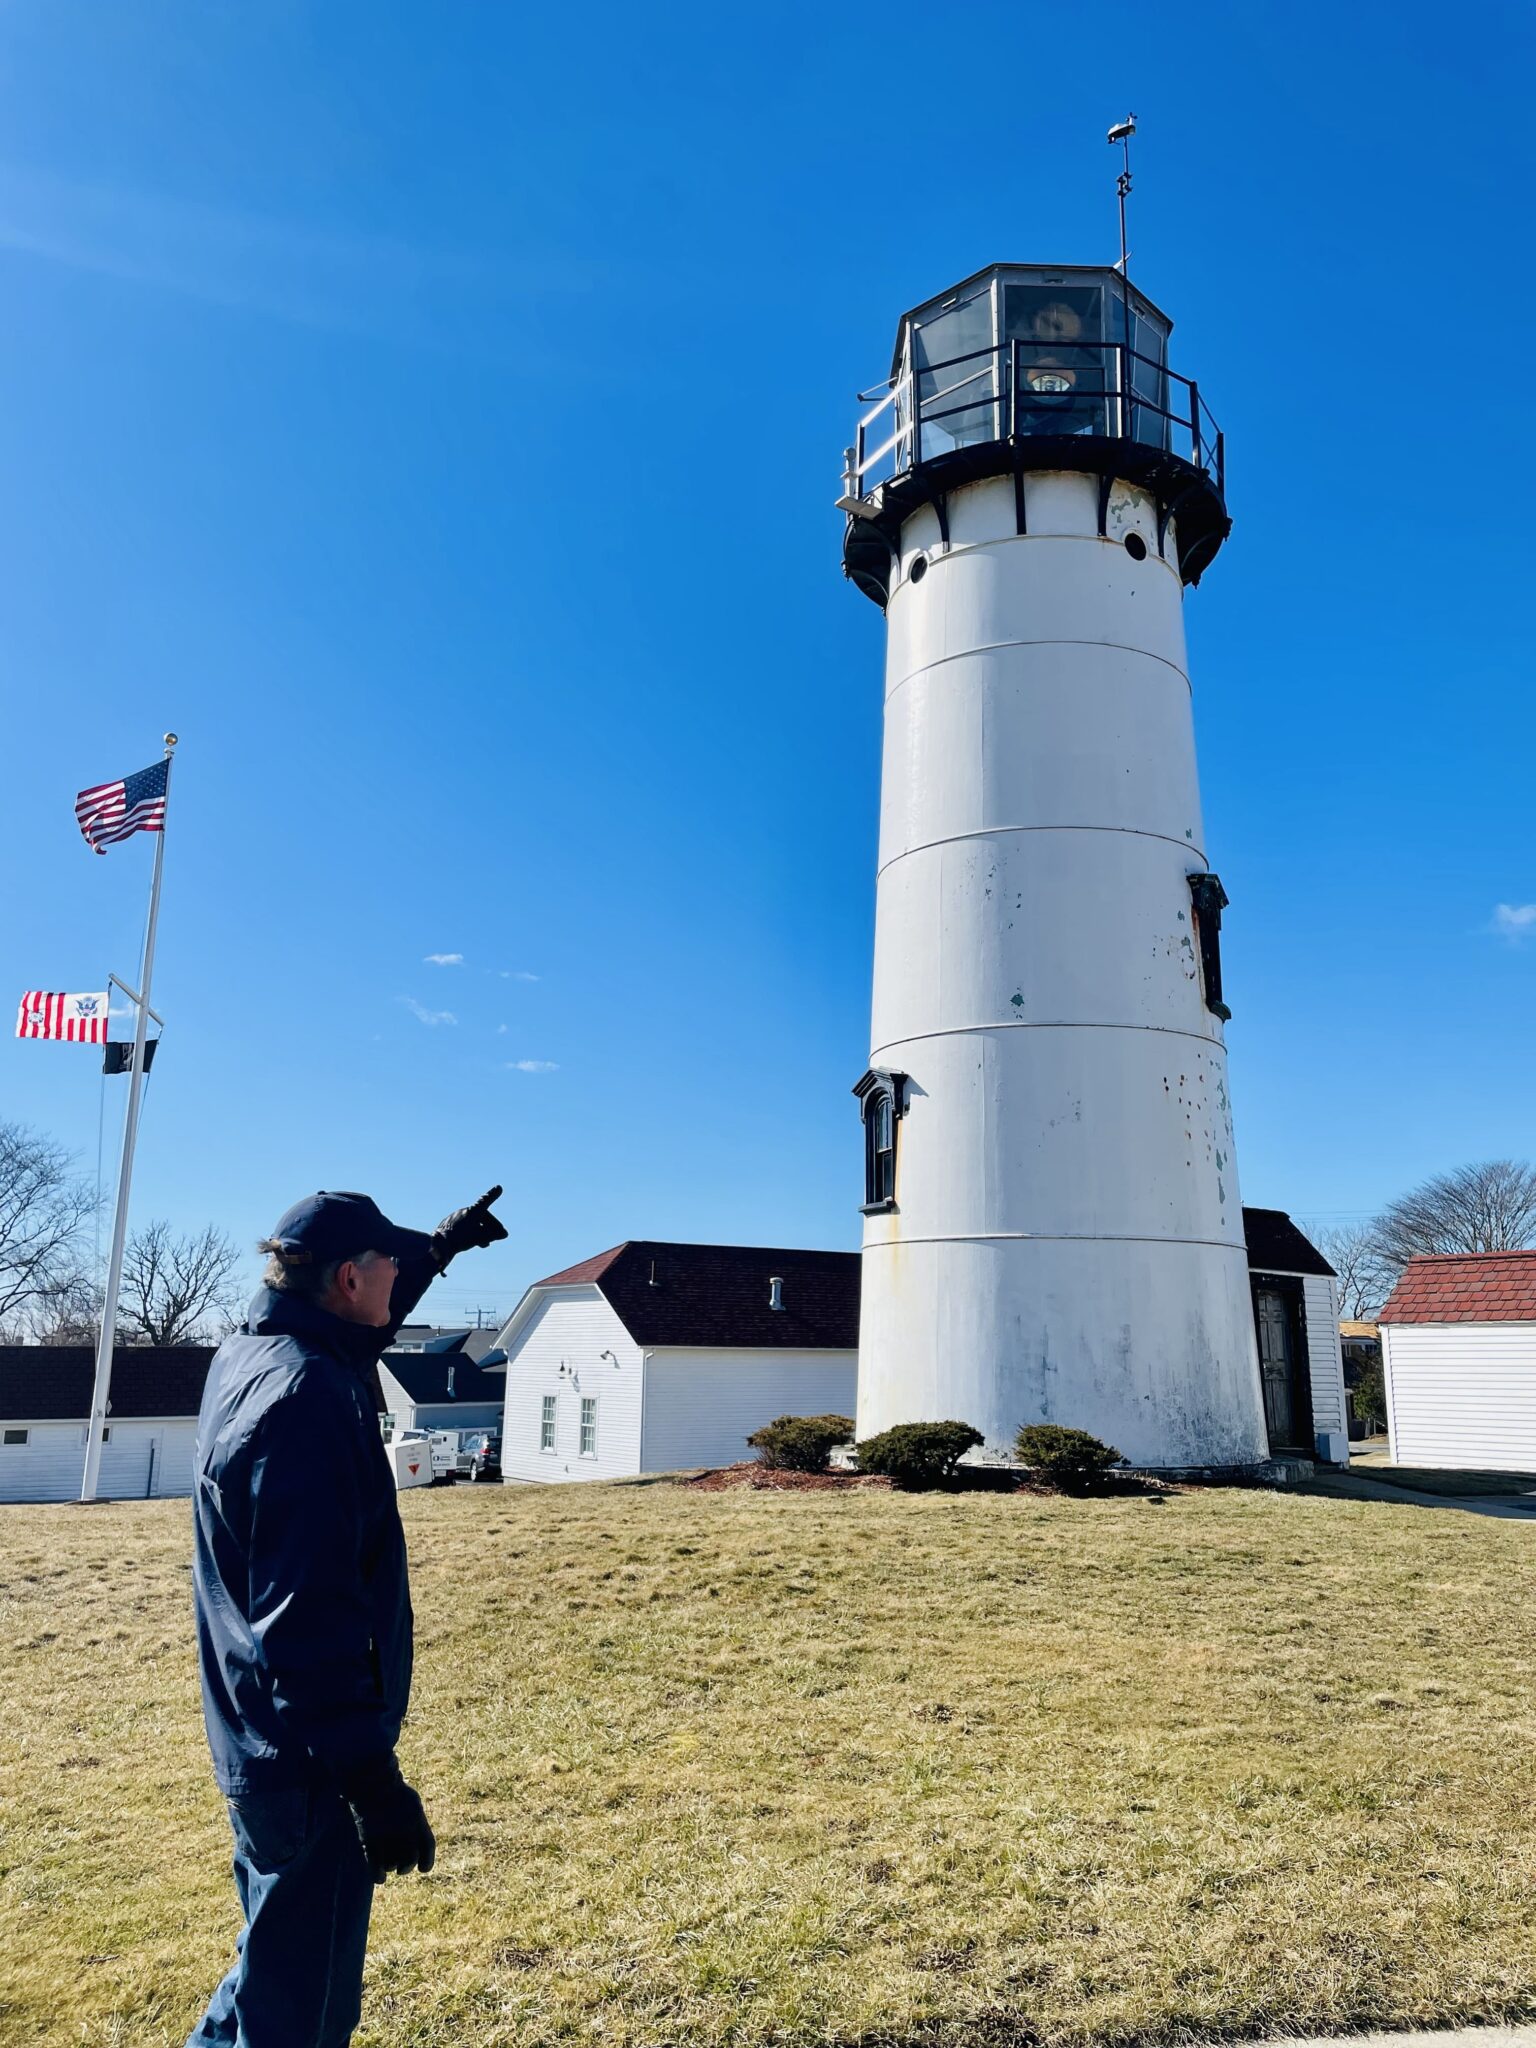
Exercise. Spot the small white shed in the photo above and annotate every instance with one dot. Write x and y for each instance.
(1296, 1322)
(659, 1357)
(151, 1429)
(1458, 1348)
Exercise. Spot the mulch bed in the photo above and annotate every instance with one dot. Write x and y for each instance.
(970, 1479)
(750, 1473)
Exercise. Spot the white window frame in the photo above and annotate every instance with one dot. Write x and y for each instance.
(15, 1438)
(549, 1410)
(588, 1427)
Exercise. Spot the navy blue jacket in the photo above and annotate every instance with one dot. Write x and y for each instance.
(299, 1572)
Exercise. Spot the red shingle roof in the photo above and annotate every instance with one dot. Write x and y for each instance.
(1466, 1287)
(589, 1269)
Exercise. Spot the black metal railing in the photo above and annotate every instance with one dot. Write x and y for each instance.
(1017, 390)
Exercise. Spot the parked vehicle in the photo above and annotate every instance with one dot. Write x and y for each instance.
(479, 1454)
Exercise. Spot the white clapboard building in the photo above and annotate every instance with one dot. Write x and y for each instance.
(151, 1428)
(1458, 1347)
(660, 1357)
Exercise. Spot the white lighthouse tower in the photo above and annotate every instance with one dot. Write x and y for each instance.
(1053, 1230)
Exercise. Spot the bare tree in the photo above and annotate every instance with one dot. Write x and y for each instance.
(1487, 1208)
(68, 1313)
(177, 1289)
(1365, 1277)
(43, 1213)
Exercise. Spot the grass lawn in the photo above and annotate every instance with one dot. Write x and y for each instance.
(759, 1768)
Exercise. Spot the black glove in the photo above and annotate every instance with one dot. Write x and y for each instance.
(467, 1229)
(390, 1819)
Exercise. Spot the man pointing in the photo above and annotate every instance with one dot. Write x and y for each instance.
(304, 1612)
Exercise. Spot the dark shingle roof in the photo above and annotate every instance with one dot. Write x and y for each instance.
(717, 1295)
(424, 1376)
(1466, 1287)
(52, 1382)
(1275, 1245)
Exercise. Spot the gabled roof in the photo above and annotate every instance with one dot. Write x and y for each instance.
(1275, 1245)
(424, 1376)
(587, 1271)
(1466, 1287)
(717, 1295)
(434, 1337)
(53, 1382)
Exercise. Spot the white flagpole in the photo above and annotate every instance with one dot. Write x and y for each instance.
(101, 1392)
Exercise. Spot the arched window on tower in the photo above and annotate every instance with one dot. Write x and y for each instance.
(882, 1102)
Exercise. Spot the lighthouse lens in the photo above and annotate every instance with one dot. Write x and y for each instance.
(1050, 381)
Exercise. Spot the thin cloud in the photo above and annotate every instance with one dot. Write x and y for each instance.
(425, 1016)
(443, 959)
(256, 263)
(1515, 922)
(508, 974)
(533, 1067)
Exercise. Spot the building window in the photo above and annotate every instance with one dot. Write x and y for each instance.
(547, 1423)
(588, 1427)
(16, 1436)
(882, 1102)
(1209, 900)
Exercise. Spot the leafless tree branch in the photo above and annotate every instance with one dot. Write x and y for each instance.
(43, 1213)
(177, 1289)
(1365, 1275)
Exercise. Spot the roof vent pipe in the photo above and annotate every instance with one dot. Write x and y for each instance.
(775, 1292)
(450, 1383)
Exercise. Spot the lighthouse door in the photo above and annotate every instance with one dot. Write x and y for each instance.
(1287, 1408)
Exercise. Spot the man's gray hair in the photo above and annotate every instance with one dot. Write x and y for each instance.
(299, 1276)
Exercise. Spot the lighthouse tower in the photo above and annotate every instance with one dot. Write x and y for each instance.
(1053, 1230)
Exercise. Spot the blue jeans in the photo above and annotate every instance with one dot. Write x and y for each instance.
(306, 1894)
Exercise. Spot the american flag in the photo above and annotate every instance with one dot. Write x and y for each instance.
(114, 810)
(82, 1019)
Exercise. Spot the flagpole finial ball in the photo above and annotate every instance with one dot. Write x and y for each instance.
(170, 739)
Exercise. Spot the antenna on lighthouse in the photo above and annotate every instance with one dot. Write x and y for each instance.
(1122, 133)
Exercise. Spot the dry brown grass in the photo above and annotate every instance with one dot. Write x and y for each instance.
(748, 1768)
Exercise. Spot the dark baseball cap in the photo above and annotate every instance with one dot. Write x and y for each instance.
(328, 1226)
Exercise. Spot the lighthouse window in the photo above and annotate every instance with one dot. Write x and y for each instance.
(1135, 547)
(1208, 900)
(1055, 337)
(881, 1105)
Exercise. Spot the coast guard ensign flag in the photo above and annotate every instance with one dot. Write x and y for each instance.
(80, 1018)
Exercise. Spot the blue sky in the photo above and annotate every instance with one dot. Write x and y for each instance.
(433, 413)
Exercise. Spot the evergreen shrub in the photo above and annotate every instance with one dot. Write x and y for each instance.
(918, 1455)
(800, 1443)
(1064, 1457)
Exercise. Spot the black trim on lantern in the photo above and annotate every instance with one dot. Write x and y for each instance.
(1208, 900)
(1192, 497)
(880, 1086)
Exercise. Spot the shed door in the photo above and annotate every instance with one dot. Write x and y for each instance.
(1276, 1366)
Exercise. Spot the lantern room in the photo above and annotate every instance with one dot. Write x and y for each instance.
(1027, 367)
